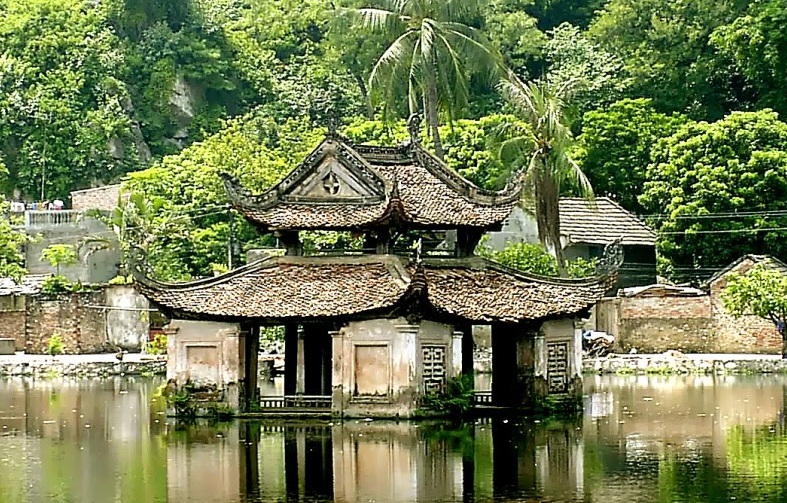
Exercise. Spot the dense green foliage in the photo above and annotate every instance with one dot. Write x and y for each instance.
(534, 259)
(91, 91)
(762, 291)
(720, 190)
(615, 144)
(11, 241)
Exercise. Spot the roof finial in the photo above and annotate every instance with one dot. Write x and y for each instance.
(333, 122)
(414, 128)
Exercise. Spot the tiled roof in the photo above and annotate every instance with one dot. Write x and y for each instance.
(601, 222)
(407, 183)
(286, 287)
(281, 288)
(484, 291)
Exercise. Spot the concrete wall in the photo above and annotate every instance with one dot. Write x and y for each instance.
(81, 327)
(95, 264)
(128, 325)
(378, 365)
(519, 227)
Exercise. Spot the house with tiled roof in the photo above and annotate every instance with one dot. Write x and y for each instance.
(586, 227)
(373, 332)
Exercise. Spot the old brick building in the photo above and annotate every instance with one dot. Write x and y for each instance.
(658, 318)
(372, 332)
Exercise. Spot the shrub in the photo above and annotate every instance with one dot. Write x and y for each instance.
(55, 345)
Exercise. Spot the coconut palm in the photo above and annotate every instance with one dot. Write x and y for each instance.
(432, 57)
(541, 160)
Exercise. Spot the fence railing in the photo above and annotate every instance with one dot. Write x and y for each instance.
(296, 402)
(47, 218)
(482, 398)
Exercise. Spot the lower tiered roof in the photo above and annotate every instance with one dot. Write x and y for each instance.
(281, 289)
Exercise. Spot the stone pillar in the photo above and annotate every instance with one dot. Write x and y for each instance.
(561, 374)
(456, 354)
(290, 358)
(468, 346)
(337, 372)
(291, 242)
(251, 362)
(300, 371)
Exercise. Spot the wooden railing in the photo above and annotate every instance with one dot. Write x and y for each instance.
(482, 398)
(295, 402)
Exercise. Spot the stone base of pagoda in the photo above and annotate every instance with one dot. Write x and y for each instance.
(381, 368)
(211, 368)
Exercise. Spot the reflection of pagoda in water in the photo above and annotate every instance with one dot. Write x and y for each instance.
(378, 461)
(371, 332)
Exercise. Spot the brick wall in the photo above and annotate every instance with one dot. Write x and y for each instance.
(101, 198)
(12, 319)
(82, 328)
(688, 324)
(653, 335)
(665, 307)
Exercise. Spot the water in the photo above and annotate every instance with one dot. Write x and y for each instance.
(641, 439)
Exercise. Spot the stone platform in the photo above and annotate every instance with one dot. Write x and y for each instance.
(674, 362)
(91, 365)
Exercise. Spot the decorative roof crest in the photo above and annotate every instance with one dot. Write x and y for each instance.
(414, 128)
(612, 258)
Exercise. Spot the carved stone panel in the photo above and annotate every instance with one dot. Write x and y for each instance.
(434, 373)
(557, 367)
(372, 371)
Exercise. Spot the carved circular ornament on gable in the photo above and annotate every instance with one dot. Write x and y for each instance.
(331, 184)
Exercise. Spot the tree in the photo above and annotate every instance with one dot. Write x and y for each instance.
(11, 241)
(615, 146)
(761, 291)
(431, 61)
(60, 255)
(666, 52)
(534, 259)
(543, 155)
(719, 190)
(757, 43)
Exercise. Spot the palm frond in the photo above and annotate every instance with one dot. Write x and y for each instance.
(381, 19)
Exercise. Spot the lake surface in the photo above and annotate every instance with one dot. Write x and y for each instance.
(641, 439)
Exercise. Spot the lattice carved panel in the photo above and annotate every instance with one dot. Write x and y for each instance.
(557, 367)
(433, 368)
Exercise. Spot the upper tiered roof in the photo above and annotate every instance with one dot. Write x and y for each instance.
(342, 186)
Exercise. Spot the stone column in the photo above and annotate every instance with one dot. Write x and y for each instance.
(251, 349)
(300, 371)
(337, 372)
(456, 354)
(290, 358)
(408, 388)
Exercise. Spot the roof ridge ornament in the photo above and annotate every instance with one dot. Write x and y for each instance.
(332, 120)
(612, 259)
(414, 128)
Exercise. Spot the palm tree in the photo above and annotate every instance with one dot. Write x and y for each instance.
(433, 56)
(541, 160)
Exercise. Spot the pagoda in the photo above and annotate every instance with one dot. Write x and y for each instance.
(370, 333)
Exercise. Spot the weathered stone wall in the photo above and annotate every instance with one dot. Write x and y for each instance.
(50, 367)
(673, 362)
(127, 318)
(665, 308)
(12, 319)
(688, 324)
(81, 327)
(656, 335)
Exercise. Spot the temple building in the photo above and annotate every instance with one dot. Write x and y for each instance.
(369, 333)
